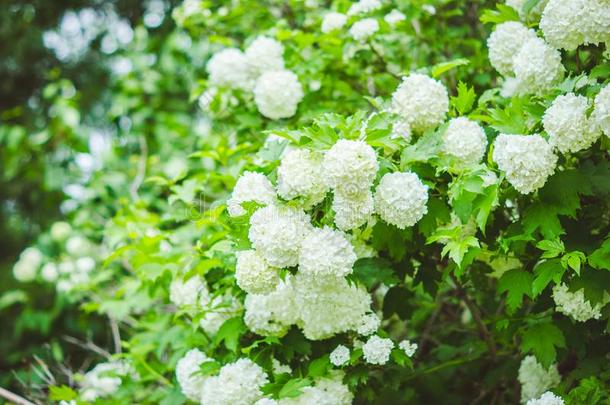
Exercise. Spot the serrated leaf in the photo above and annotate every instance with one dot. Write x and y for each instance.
(465, 98)
(545, 272)
(230, 332)
(516, 283)
(319, 367)
(542, 339)
(501, 14)
(370, 271)
(294, 387)
(551, 248)
(61, 393)
(600, 258)
(443, 67)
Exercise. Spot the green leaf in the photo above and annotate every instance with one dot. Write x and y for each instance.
(370, 271)
(541, 217)
(516, 283)
(319, 367)
(12, 297)
(502, 14)
(209, 368)
(396, 301)
(443, 67)
(230, 332)
(401, 358)
(573, 260)
(545, 272)
(542, 339)
(465, 98)
(600, 258)
(294, 387)
(61, 393)
(551, 248)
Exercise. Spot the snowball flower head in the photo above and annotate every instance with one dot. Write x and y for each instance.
(300, 174)
(567, 124)
(326, 252)
(27, 266)
(574, 304)
(535, 379)
(103, 380)
(401, 129)
(326, 391)
(601, 113)
(191, 383)
(400, 199)
(277, 233)
(364, 6)
(421, 101)
(368, 324)
(569, 24)
(408, 347)
(49, 272)
(465, 140)
(253, 274)
(77, 246)
(264, 55)
(363, 29)
(251, 186)
(527, 160)
(277, 94)
(505, 42)
(237, 383)
(333, 21)
(339, 356)
(272, 314)
(229, 68)
(329, 306)
(377, 350)
(185, 293)
(537, 66)
(548, 398)
(394, 17)
(350, 167)
(352, 212)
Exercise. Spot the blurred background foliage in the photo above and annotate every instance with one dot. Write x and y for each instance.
(99, 96)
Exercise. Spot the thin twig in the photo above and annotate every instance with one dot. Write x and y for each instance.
(116, 334)
(476, 315)
(88, 345)
(12, 397)
(139, 179)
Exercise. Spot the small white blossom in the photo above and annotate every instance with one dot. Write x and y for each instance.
(49, 272)
(377, 350)
(229, 68)
(253, 273)
(187, 367)
(237, 383)
(339, 356)
(574, 304)
(548, 398)
(408, 347)
(601, 113)
(535, 379)
(251, 186)
(421, 101)
(465, 140)
(300, 174)
(364, 6)
(364, 29)
(400, 199)
(185, 293)
(527, 160)
(567, 124)
(60, 231)
(103, 380)
(264, 55)
(333, 21)
(368, 324)
(394, 17)
(272, 314)
(277, 94)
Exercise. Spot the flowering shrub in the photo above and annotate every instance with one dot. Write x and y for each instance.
(369, 216)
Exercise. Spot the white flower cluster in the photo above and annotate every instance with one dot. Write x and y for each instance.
(548, 398)
(400, 199)
(333, 21)
(408, 347)
(529, 64)
(237, 383)
(300, 174)
(187, 368)
(364, 6)
(186, 293)
(601, 113)
(28, 264)
(340, 356)
(250, 187)
(569, 24)
(566, 122)
(272, 314)
(368, 324)
(253, 274)
(574, 304)
(394, 17)
(465, 140)
(363, 29)
(377, 350)
(104, 380)
(421, 101)
(260, 69)
(534, 379)
(329, 390)
(336, 259)
(527, 160)
(216, 310)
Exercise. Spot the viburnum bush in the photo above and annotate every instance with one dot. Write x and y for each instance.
(352, 202)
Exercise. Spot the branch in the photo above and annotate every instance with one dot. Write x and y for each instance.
(137, 181)
(116, 335)
(6, 394)
(476, 315)
(88, 345)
